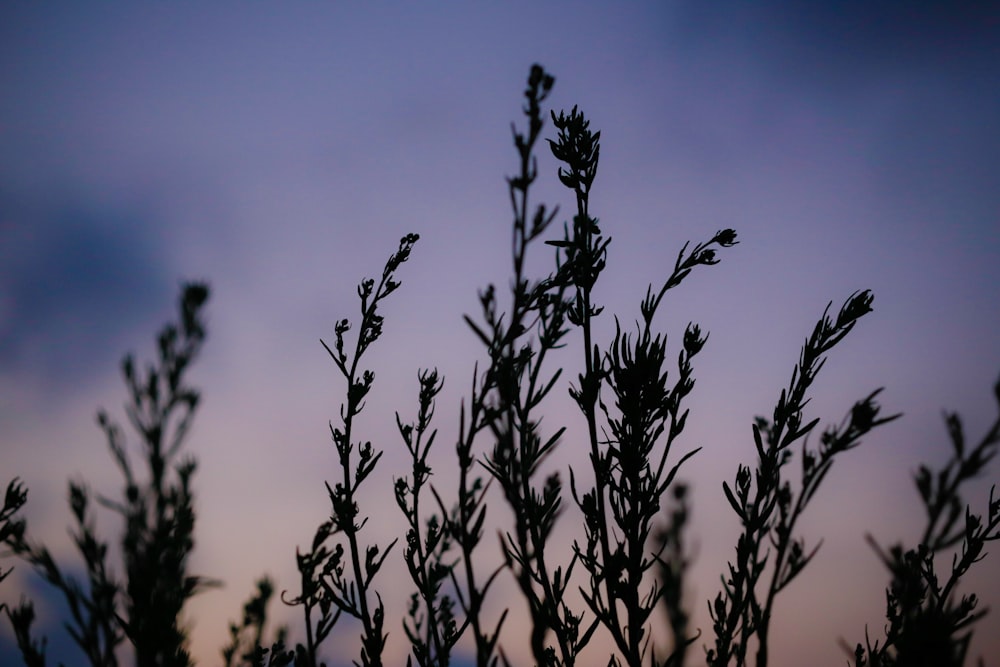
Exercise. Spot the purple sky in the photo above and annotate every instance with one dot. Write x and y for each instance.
(279, 151)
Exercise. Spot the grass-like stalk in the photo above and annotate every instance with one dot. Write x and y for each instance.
(246, 639)
(630, 461)
(518, 343)
(767, 506)
(348, 586)
(629, 558)
(158, 514)
(431, 625)
(465, 526)
(924, 622)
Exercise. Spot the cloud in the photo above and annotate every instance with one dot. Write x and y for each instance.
(74, 277)
(843, 44)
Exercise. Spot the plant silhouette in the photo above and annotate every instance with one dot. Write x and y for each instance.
(624, 578)
(157, 512)
(767, 506)
(925, 625)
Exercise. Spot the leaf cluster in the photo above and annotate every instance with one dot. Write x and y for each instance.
(632, 558)
(767, 505)
(340, 580)
(926, 621)
(157, 510)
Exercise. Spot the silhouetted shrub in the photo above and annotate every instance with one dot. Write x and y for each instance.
(630, 560)
(157, 510)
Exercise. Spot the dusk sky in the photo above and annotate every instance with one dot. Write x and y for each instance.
(279, 151)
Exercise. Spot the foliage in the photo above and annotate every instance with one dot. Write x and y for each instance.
(767, 506)
(158, 517)
(925, 624)
(245, 638)
(625, 575)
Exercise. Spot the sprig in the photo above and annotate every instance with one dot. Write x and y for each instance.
(924, 620)
(767, 506)
(346, 576)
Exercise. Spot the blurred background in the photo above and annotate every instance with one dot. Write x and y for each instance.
(279, 151)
